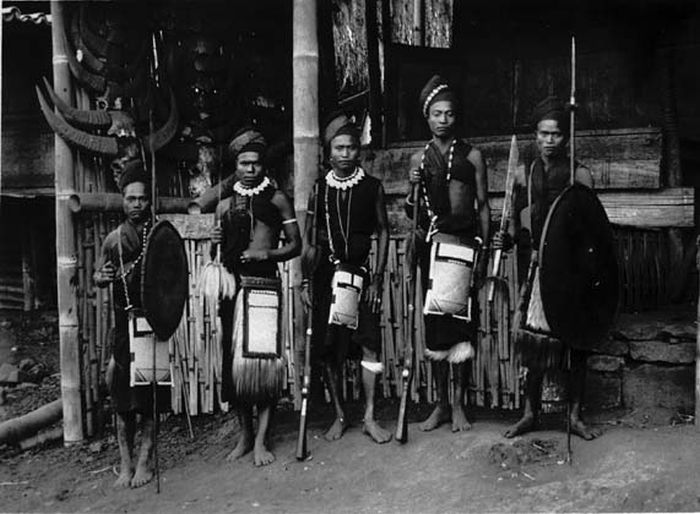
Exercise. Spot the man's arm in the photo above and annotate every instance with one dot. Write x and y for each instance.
(292, 244)
(105, 269)
(382, 231)
(374, 292)
(583, 176)
(482, 198)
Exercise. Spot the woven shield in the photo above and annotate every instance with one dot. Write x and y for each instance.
(164, 279)
(578, 269)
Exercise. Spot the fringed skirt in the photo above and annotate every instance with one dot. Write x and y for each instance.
(539, 349)
(257, 364)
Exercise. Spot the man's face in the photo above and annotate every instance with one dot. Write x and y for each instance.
(344, 153)
(442, 118)
(249, 168)
(550, 139)
(136, 202)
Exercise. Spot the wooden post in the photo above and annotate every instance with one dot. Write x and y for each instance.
(306, 132)
(418, 29)
(375, 81)
(386, 61)
(66, 260)
(697, 348)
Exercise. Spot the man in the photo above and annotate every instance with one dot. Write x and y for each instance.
(251, 222)
(546, 177)
(122, 251)
(452, 177)
(348, 207)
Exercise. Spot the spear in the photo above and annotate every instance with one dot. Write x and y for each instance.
(572, 166)
(513, 157)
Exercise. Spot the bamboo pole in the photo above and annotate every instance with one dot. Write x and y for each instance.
(66, 261)
(305, 131)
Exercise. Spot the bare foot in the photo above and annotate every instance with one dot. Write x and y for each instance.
(440, 415)
(124, 479)
(244, 445)
(143, 475)
(262, 456)
(372, 429)
(526, 424)
(582, 430)
(337, 430)
(459, 419)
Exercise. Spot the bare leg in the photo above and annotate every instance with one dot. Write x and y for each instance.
(533, 395)
(576, 383)
(369, 381)
(245, 442)
(339, 426)
(126, 428)
(459, 415)
(144, 467)
(261, 454)
(441, 413)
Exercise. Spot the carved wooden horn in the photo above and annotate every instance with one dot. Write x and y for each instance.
(86, 118)
(84, 140)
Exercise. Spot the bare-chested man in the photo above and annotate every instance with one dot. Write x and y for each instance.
(452, 177)
(348, 206)
(251, 222)
(127, 401)
(547, 176)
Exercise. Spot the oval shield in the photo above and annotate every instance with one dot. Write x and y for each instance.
(164, 279)
(578, 268)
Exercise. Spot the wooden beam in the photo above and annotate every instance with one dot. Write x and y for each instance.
(66, 258)
(618, 159)
(375, 83)
(191, 226)
(113, 202)
(673, 207)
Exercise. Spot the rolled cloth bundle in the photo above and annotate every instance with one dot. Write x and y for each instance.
(552, 108)
(337, 124)
(435, 90)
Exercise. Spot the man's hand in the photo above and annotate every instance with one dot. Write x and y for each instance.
(216, 235)
(501, 241)
(374, 294)
(255, 256)
(106, 274)
(414, 176)
(305, 296)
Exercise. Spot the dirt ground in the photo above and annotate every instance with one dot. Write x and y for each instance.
(641, 463)
(627, 469)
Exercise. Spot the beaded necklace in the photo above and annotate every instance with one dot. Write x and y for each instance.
(424, 188)
(248, 193)
(123, 271)
(340, 183)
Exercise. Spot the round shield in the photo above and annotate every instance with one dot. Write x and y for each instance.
(164, 279)
(578, 268)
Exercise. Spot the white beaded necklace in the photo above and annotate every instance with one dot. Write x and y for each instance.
(344, 183)
(242, 190)
(340, 184)
(424, 188)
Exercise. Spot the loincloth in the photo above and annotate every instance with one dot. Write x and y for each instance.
(538, 347)
(338, 342)
(124, 397)
(250, 376)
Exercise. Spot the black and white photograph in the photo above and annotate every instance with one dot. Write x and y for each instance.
(350, 256)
